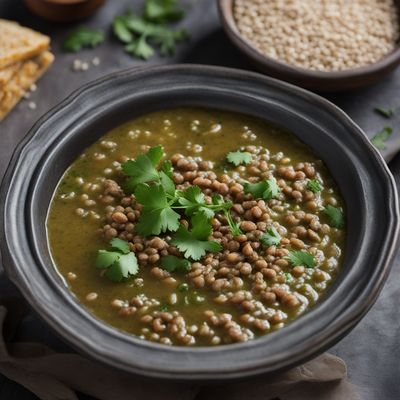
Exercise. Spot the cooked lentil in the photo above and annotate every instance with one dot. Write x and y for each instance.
(244, 291)
(321, 35)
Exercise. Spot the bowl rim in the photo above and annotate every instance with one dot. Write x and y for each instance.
(296, 72)
(10, 251)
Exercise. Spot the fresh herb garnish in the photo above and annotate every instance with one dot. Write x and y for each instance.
(140, 48)
(143, 168)
(139, 32)
(121, 30)
(385, 112)
(301, 257)
(120, 262)
(155, 190)
(379, 140)
(289, 277)
(194, 243)
(162, 11)
(225, 206)
(83, 37)
(157, 215)
(239, 157)
(173, 263)
(193, 201)
(335, 216)
(266, 190)
(270, 238)
(314, 185)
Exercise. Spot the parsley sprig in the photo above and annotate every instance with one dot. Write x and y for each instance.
(162, 11)
(150, 180)
(385, 112)
(172, 263)
(83, 37)
(266, 190)
(120, 263)
(379, 140)
(239, 157)
(335, 216)
(157, 214)
(314, 185)
(301, 257)
(270, 238)
(156, 191)
(139, 34)
(194, 243)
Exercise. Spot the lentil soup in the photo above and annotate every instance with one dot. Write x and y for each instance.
(252, 238)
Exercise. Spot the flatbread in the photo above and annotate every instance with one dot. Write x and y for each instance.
(18, 43)
(7, 73)
(29, 72)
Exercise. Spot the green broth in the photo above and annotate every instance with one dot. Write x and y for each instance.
(74, 240)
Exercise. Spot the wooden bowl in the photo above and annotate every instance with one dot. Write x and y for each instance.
(316, 80)
(63, 10)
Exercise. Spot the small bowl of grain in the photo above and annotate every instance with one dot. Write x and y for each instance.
(323, 45)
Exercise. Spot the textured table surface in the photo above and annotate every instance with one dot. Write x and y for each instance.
(372, 349)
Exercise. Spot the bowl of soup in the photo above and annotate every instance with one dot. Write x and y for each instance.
(190, 222)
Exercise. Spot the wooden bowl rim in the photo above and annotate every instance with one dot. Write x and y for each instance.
(225, 8)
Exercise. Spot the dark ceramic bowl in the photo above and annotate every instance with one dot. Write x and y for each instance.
(326, 81)
(62, 134)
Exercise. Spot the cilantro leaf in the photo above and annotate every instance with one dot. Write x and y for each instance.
(168, 40)
(157, 215)
(201, 226)
(194, 244)
(134, 31)
(106, 258)
(166, 167)
(270, 238)
(289, 277)
(225, 206)
(173, 263)
(159, 199)
(266, 190)
(239, 157)
(138, 25)
(120, 29)
(167, 183)
(233, 226)
(127, 25)
(300, 257)
(314, 185)
(143, 168)
(120, 264)
(83, 37)
(140, 48)
(125, 266)
(335, 216)
(193, 199)
(379, 140)
(155, 154)
(162, 10)
(387, 113)
(120, 245)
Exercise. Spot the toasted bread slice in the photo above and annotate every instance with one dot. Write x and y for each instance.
(18, 43)
(29, 72)
(8, 72)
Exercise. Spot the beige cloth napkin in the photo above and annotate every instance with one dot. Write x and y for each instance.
(56, 376)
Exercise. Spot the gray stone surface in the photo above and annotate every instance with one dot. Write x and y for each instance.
(372, 350)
